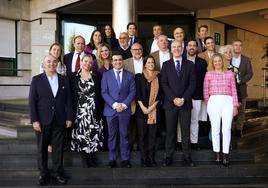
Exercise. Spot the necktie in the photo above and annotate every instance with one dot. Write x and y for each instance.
(178, 67)
(77, 64)
(118, 78)
(131, 41)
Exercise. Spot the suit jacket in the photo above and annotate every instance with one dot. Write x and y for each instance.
(43, 106)
(200, 67)
(148, 46)
(181, 86)
(129, 65)
(125, 53)
(74, 79)
(245, 74)
(200, 46)
(157, 59)
(111, 93)
(67, 60)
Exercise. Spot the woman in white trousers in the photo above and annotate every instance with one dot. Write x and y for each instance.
(221, 98)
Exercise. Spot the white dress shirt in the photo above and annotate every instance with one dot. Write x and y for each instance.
(163, 56)
(120, 76)
(191, 58)
(54, 83)
(75, 58)
(236, 61)
(154, 46)
(138, 65)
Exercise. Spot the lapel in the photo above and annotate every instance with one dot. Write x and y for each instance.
(157, 60)
(61, 85)
(46, 85)
(173, 68)
(124, 78)
(114, 81)
(132, 68)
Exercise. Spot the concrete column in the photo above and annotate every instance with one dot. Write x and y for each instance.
(124, 11)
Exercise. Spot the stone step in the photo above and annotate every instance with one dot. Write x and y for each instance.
(175, 176)
(73, 159)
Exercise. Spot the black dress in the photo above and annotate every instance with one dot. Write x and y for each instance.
(87, 134)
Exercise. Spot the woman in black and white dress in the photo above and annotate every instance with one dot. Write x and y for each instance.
(87, 137)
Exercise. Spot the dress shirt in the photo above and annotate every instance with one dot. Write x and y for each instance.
(220, 84)
(138, 65)
(177, 59)
(124, 48)
(154, 46)
(236, 61)
(121, 76)
(163, 56)
(191, 58)
(131, 40)
(74, 59)
(54, 83)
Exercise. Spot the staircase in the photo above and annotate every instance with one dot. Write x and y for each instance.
(248, 167)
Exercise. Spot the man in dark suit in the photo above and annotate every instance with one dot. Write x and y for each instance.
(202, 34)
(123, 47)
(200, 66)
(151, 44)
(178, 84)
(245, 73)
(118, 91)
(50, 107)
(72, 59)
(132, 32)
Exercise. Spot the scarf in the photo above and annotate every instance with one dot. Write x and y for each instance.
(153, 94)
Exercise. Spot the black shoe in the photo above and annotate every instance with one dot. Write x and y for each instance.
(60, 180)
(126, 164)
(42, 180)
(225, 162)
(218, 161)
(113, 164)
(167, 162)
(153, 163)
(188, 162)
(144, 163)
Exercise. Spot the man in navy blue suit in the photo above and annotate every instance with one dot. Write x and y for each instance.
(50, 107)
(178, 84)
(118, 91)
(72, 59)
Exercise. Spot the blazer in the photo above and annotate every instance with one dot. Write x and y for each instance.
(74, 79)
(143, 90)
(67, 60)
(200, 67)
(111, 93)
(245, 74)
(129, 65)
(157, 59)
(148, 46)
(44, 107)
(200, 46)
(182, 86)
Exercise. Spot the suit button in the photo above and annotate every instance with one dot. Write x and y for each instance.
(52, 107)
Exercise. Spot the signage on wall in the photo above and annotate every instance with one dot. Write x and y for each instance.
(217, 38)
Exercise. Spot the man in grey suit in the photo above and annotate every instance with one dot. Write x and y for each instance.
(245, 73)
(163, 54)
(135, 66)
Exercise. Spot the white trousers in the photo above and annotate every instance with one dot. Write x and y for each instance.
(220, 107)
(194, 127)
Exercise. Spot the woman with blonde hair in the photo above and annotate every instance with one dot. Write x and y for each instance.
(221, 98)
(103, 62)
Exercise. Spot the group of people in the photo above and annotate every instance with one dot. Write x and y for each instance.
(106, 92)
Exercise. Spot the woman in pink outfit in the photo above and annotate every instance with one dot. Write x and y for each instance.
(222, 103)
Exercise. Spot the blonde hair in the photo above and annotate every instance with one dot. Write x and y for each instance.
(224, 49)
(100, 60)
(212, 60)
